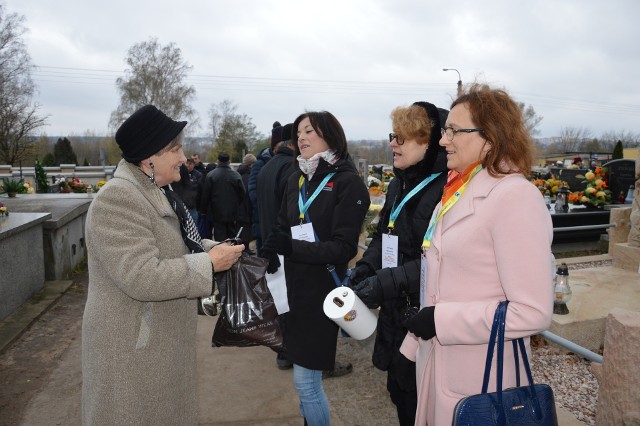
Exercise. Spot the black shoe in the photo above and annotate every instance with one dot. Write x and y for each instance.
(283, 363)
(339, 369)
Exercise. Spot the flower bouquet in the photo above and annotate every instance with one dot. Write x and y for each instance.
(596, 193)
(552, 184)
(3, 210)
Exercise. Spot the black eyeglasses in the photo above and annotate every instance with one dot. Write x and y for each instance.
(395, 136)
(451, 132)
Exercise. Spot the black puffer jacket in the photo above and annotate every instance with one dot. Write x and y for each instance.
(336, 215)
(410, 227)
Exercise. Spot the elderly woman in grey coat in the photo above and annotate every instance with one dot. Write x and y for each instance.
(147, 267)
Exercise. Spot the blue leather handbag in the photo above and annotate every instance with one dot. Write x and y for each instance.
(523, 405)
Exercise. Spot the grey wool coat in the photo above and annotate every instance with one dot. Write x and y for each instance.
(139, 325)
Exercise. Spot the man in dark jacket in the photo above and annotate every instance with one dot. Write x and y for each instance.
(245, 212)
(261, 159)
(272, 182)
(189, 187)
(420, 168)
(221, 197)
(197, 164)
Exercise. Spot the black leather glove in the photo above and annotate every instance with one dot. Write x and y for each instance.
(284, 246)
(423, 323)
(268, 251)
(405, 373)
(359, 273)
(369, 291)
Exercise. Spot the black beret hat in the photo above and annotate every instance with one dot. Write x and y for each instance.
(145, 132)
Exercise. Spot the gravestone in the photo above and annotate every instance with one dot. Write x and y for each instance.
(569, 176)
(621, 174)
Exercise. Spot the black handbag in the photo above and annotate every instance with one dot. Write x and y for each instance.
(523, 405)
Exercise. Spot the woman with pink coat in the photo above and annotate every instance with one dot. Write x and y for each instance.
(489, 240)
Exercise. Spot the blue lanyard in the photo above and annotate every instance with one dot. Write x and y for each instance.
(303, 206)
(396, 210)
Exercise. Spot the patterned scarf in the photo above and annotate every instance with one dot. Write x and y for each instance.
(455, 181)
(310, 165)
(188, 227)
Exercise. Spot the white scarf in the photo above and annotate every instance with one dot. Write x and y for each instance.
(309, 166)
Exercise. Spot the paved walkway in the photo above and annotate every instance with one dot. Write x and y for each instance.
(237, 386)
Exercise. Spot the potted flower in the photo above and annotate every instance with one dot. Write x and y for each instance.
(12, 187)
(3, 210)
(596, 194)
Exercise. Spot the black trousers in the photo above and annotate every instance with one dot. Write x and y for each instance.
(406, 402)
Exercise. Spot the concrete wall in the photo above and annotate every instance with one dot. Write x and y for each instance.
(22, 271)
(64, 247)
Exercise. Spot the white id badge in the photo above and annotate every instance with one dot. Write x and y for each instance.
(389, 251)
(423, 279)
(303, 232)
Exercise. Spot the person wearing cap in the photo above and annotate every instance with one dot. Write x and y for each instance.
(222, 194)
(262, 158)
(327, 194)
(147, 268)
(420, 168)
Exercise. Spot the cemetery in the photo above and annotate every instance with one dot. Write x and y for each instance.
(44, 236)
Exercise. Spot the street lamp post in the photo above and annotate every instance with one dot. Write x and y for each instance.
(459, 79)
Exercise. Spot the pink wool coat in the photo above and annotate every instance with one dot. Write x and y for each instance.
(494, 244)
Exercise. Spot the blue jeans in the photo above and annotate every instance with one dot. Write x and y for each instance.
(314, 405)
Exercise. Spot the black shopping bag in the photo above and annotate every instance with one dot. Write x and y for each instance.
(249, 315)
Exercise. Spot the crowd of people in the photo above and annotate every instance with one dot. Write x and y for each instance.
(450, 244)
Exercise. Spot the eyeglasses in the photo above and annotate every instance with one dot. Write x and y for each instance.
(395, 136)
(451, 132)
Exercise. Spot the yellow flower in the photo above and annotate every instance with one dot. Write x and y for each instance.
(601, 194)
(589, 176)
(584, 199)
(590, 190)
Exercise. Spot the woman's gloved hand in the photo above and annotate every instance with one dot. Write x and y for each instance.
(284, 245)
(369, 291)
(423, 323)
(268, 251)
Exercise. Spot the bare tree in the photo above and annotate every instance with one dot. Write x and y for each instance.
(156, 75)
(232, 132)
(531, 119)
(571, 138)
(18, 114)
(218, 114)
(628, 138)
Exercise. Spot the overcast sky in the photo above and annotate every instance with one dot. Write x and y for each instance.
(577, 62)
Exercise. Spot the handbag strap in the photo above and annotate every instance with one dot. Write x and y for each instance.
(489, 359)
(497, 333)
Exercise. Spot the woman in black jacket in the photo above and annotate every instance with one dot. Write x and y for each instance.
(334, 201)
(392, 282)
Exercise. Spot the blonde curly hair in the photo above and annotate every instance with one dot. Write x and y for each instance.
(412, 122)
